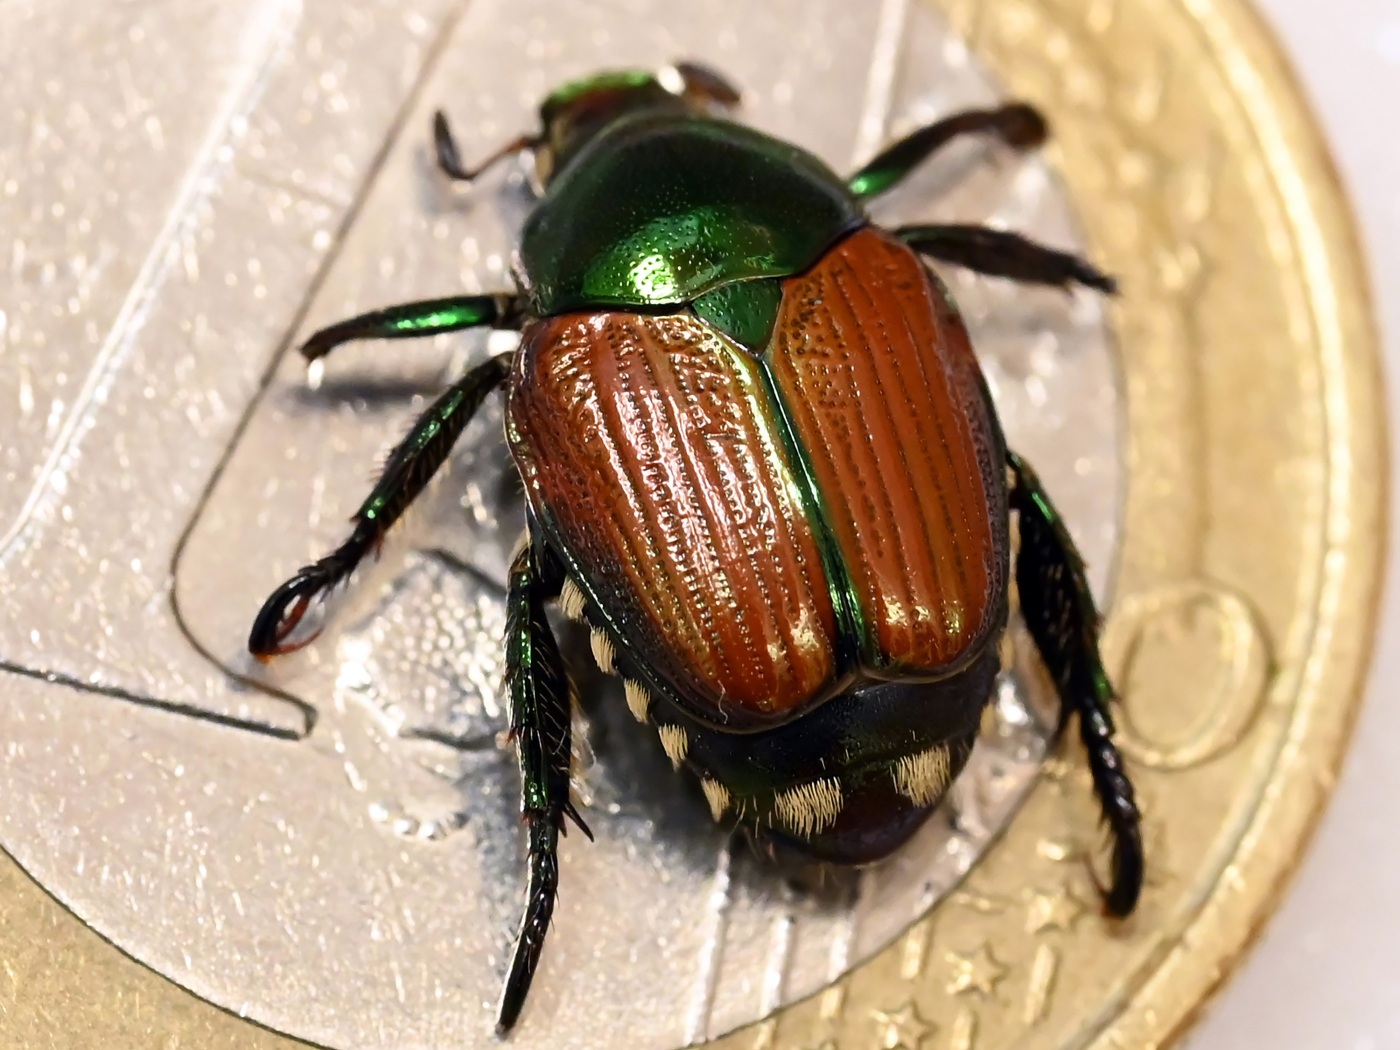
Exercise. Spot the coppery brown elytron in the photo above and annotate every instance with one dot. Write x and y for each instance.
(682, 498)
(876, 367)
(680, 501)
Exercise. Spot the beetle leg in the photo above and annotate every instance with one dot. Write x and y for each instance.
(1059, 611)
(504, 310)
(409, 468)
(705, 85)
(540, 714)
(999, 253)
(1016, 124)
(450, 159)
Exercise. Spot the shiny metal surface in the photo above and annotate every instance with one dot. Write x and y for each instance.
(217, 181)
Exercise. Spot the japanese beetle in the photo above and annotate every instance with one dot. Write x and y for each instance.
(762, 465)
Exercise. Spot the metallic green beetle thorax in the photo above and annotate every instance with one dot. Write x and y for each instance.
(662, 208)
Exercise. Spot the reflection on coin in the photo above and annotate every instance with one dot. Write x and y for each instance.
(358, 886)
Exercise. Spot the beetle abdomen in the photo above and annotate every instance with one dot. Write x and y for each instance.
(884, 393)
(647, 449)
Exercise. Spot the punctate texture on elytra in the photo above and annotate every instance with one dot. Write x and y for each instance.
(875, 366)
(649, 444)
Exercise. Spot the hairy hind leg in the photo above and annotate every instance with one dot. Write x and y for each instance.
(1059, 611)
(540, 724)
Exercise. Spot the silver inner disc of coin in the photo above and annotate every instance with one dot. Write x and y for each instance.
(358, 885)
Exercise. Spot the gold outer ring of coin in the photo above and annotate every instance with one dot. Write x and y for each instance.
(1246, 594)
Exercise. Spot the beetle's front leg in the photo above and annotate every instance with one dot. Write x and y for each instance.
(1000, 253)
(540, 719)
(505, 310)
(449, 158)
(1059, 611)
(409, 468)
(1017, 124)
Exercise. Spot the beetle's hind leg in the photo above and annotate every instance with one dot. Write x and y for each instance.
(1000, 253)
(1017, 124)
(409, 468)
(1059, 611)
(540, 723)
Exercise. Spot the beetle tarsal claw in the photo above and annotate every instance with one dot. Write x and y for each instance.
(811, 807)
(571, 600)
(717, 795)
(638, 699)
(923, 778)
(603, 651)
(675, 743)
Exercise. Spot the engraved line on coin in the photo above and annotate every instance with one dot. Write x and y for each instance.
(271, 30)
(843, 937)
(879, 84)
(838, 958)
(457, 564)
(712, 946)
(199, 714)
(432, 56)
(779, 951)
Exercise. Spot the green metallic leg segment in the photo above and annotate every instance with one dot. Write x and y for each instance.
(999, 253)
(449, 158)
(1017, 125)
(1059, 611)
(409, 468)
(428, 317)
(540, 718)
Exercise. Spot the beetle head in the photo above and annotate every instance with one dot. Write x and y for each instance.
(571, 116)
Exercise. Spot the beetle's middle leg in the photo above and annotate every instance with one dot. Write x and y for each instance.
(1000, 253)
(408, 470)
(1017, 124)
(540, 722)
(1059, 611)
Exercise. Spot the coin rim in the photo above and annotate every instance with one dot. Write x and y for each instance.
(1247, 49)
